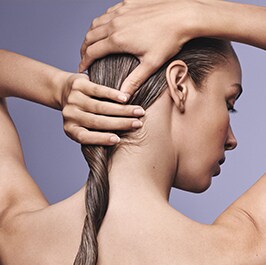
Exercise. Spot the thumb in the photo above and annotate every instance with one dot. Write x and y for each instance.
(137, 78)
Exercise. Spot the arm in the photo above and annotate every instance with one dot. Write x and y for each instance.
(72, 93)
(164, 26)
(233, 21)
(31, 80)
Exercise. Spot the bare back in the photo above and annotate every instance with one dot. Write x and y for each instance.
(32, 232)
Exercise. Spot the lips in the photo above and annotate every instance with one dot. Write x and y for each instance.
(221, 161)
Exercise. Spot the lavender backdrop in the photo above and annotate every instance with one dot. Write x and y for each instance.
(52, 31)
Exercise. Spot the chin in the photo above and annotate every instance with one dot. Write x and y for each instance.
(195, 186)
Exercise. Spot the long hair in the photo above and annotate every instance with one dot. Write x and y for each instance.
(201, 56)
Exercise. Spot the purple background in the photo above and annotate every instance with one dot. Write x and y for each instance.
(52, 32)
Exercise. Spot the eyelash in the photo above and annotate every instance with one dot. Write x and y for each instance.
(230, 108)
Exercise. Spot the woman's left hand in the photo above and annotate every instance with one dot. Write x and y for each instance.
(152, 30)
(86, 116)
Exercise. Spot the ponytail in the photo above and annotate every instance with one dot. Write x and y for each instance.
(96, 200)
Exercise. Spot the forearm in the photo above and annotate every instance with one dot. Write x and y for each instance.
(31, 80)
(232, 21)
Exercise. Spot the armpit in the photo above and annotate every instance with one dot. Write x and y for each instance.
(245, 221)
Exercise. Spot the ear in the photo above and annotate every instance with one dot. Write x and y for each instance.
(177, 77)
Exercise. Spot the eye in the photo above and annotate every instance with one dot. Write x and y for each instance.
(231, 108)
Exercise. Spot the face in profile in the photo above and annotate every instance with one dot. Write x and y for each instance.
(207, 132)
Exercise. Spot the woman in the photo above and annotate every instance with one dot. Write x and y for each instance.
(60, 213)
(139, 220)
(199, 86)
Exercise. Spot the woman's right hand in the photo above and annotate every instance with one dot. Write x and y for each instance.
(84, 112)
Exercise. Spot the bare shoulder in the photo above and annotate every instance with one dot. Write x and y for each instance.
(243, 225)
(48, 235)
(238, 235)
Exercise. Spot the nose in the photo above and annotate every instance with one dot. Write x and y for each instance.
(231, 142)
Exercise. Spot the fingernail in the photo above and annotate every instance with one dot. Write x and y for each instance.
(122, 98)
(139, 111)
(137, 124)
(114, 139)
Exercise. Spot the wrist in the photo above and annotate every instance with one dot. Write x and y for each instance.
(200, 19)
(193, 21)
(59, 86)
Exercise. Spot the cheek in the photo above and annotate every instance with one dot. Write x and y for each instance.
(222, 128)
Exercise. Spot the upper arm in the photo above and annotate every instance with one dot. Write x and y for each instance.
(18, 191)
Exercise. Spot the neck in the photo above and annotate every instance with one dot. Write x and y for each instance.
(142, 174)
(133, 179)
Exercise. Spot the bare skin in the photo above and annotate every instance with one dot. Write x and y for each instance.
(71, 93)
(145, 226)
(178, 21)
(25, 216)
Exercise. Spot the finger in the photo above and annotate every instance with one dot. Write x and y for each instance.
(137, 77)
(84, 136)
(115, 7)
(97, 32)
(103, 19)
(98, 50)
(93, 36)
(110, 109)
(100, 91)
(91, 89)
(99, 122)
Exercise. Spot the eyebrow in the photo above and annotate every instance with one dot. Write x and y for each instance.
(239, 88)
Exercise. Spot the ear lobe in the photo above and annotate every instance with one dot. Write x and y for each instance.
(177, 76)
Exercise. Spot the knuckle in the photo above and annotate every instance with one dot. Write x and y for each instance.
(93, 123)
(71, 98)
(93, 89)
(87, 37)
(94, 22)
(76, 85)
(119, 11)
(88, 54)
(99, 108)
(67, 127)
(116, 39)
(66, 112)
(109, 10)
(81, 136)
(116, 22)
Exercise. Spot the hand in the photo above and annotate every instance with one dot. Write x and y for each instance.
(83, 111)
(152, 30)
